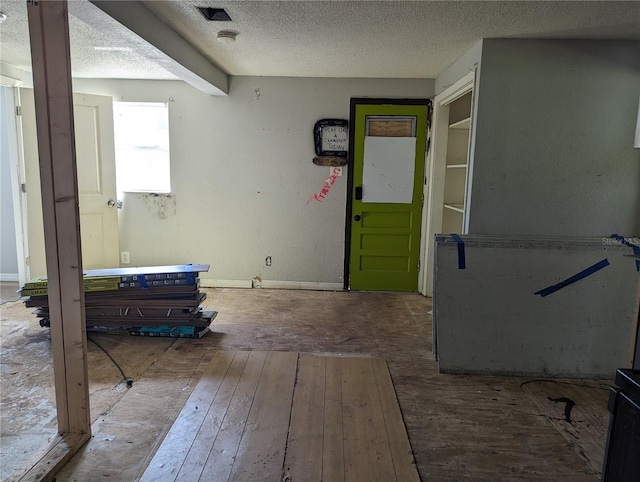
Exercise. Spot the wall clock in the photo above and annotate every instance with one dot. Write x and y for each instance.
(331, 137)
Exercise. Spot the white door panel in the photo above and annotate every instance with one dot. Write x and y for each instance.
(93, 119)
(388, 169)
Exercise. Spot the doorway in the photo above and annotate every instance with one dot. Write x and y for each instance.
(14, 239)
(385, 186)
(450, 163)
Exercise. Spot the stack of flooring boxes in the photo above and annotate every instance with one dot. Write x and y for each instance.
(148, 301)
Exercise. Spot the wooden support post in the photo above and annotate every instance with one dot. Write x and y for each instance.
(50, 53)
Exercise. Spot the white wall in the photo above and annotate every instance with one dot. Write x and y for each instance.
(241, 175)
(553, 151)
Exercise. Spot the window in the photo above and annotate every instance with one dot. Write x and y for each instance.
(141, 131)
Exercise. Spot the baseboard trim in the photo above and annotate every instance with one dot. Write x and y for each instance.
(9, 277)
(271, 284)
(302, 285)
(225, 283)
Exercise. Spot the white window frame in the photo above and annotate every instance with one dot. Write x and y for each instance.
(143, 156)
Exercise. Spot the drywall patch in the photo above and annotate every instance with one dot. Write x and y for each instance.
(161, 206)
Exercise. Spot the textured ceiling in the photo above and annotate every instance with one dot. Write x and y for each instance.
(402, 39)
(397, 39)
(93, 54)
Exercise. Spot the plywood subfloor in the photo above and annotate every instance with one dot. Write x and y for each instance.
(272, 416)
(460, 427)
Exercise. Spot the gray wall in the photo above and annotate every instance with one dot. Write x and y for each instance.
(553, 153)
(8, 251)
(489, 319)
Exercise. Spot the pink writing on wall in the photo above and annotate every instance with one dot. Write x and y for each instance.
(319, 196)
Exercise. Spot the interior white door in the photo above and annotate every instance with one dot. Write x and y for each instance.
(95, 157)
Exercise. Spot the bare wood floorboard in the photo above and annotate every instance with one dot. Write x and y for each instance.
(332, 431)
(202, 446)
(399, 446)
(363, 426)
(222, 456)
(286, 416)
(171, 454)
(306, 431)
(262, 446)
(460, 427)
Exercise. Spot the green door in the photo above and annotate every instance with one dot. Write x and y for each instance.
(388, 166)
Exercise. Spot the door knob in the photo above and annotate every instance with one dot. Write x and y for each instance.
(357, 217)
(111, 203)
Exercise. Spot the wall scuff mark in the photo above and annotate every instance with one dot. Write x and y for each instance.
(161, 206)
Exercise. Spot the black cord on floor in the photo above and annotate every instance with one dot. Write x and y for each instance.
(126, 378)
(539, 380)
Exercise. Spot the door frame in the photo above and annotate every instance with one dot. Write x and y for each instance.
(355, 101)
(435, 168)
(16, 160)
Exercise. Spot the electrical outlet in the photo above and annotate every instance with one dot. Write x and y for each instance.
(268, 261)
(124, 257)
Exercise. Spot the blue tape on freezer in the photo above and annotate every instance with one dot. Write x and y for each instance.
(462, 263)
(576, 277)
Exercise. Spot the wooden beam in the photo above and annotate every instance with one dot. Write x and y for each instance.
(51, 458)
(150, 37)
(50, 53)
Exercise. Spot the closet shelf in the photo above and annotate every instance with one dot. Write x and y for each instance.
(463, 124)
(455, 207)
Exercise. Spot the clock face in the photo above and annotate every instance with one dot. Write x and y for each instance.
(335, 138)
(331, 137)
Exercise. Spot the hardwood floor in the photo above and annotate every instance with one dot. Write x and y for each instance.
(460, 427)
(257, 416)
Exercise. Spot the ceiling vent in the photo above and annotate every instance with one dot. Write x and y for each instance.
(214, 14)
